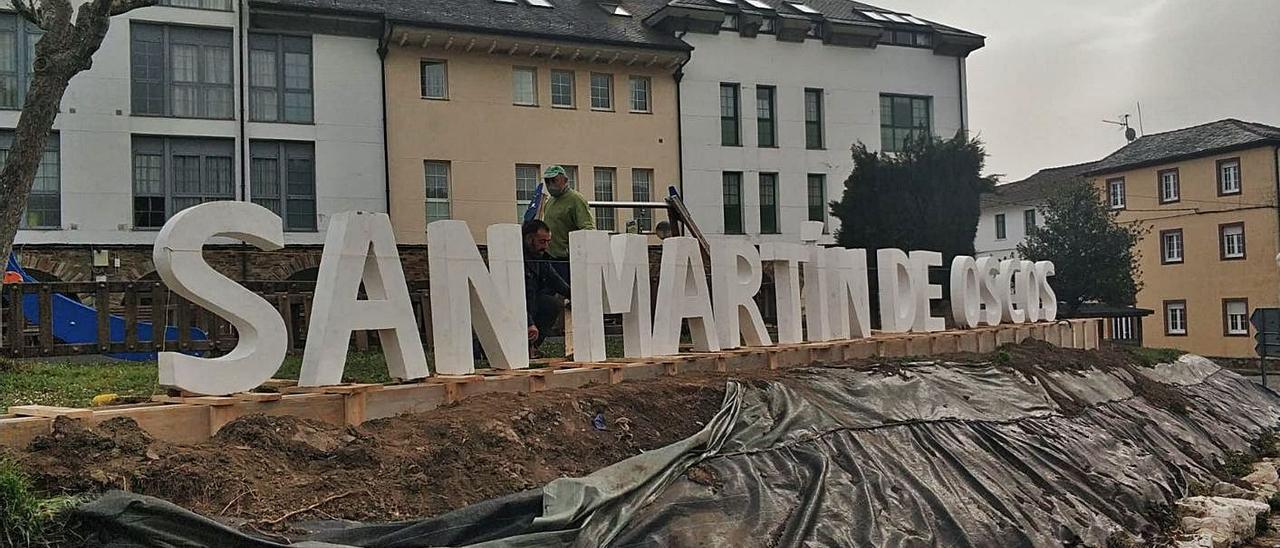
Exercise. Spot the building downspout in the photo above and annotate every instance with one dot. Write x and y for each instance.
(1276, 158)
(679, 77)
(386, 147)
(241, 127)
(964, 128)
(243, 24)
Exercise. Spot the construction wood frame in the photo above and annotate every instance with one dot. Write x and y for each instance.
(180, 419)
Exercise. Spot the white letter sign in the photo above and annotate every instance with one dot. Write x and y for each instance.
(463, 290)
(682, 293)
(360, 247)
(618, 267)
(181, 266)
(736, 267)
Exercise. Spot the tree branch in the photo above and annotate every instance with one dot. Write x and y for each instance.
(28, 12)
(120, 6)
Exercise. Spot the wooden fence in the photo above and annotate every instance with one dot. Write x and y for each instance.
(137, 303)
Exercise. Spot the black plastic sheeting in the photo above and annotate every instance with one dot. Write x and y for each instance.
(922, 455)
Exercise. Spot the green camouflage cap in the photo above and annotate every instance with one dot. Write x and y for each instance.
(552, 171)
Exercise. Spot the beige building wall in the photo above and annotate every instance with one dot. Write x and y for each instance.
(1205, 280)
(483, 135)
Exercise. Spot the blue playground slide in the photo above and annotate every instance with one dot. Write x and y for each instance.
(75, 323)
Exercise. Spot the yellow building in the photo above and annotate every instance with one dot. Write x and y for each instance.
(474, 116)
(1207, 194)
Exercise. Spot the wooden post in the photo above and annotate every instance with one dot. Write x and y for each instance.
(182, 318)
(45, 299)
(102, 301)
(131, 317)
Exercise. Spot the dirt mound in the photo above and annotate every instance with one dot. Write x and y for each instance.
(264, 472)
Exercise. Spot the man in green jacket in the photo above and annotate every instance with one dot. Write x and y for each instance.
(565, 212)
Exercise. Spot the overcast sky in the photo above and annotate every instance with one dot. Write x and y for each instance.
(1053, 69)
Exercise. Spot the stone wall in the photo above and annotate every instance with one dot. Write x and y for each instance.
(74, 263)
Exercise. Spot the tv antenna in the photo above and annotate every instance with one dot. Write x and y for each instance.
(1129, 133)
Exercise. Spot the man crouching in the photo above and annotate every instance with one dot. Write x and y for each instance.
(542, 284)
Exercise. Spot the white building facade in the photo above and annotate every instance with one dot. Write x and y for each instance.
(773, 99)
(191, 104)
(1015, 209)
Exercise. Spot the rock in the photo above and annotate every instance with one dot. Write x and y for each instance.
(1202, 540)
(1263, 477)
(1224, 489)
(1226, 520)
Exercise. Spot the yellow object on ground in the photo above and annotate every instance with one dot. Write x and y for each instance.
(105, 399)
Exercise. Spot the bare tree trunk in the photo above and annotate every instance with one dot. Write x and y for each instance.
(66, 49)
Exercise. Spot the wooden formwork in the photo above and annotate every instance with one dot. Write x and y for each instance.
(192, 419)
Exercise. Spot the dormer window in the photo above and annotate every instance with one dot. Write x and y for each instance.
(615, 9)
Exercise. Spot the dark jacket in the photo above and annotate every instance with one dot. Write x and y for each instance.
(541, 279)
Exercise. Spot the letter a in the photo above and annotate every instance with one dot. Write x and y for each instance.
(682, 293)
(359, 248)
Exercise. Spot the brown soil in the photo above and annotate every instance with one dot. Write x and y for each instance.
(267, 472)
(260, 468)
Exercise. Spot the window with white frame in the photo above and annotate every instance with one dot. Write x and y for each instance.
(524, 86)
(44, 204)
(606, 180)
(1229, 176)
(1169, 186)
(1171, 246)
(1232, 240)
(437, 190)
(435, 79)
(1001, 229)
(526, 182)
(601, 91)
(562, 88)
(1235, 318)
(1115, 193)
(642, 191)
(641, 87)
(1175, 317)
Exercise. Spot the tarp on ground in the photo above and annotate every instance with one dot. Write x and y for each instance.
(921, 455)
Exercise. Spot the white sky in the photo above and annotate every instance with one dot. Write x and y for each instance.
(1053, 69)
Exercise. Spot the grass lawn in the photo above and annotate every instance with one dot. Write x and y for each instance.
(75, 383)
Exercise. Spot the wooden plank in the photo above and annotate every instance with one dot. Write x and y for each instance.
(102, 301)
(50, 411)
